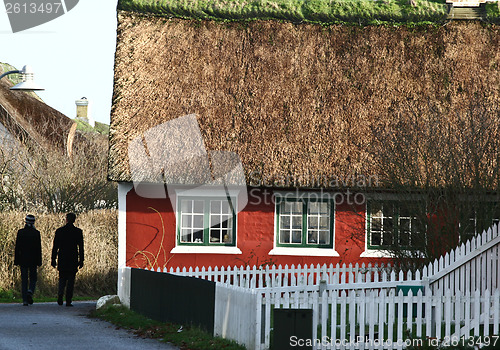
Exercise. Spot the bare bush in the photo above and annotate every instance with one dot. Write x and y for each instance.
(43, 179)
(444, 167)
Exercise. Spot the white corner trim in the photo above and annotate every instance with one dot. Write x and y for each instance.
(124, 281)
(376, 254)
(123, 189)
(183, 249)
(304, 251)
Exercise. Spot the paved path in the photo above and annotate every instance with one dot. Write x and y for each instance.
(50, 326)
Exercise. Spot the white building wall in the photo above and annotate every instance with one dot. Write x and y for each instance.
(123, 271)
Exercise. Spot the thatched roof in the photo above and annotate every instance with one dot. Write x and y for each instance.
(300, 101)
(32, 121)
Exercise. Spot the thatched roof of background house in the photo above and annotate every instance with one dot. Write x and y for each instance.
(301, 101)
(32, 121)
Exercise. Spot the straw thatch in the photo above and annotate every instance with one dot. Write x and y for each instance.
(31, 121)
(297, 103)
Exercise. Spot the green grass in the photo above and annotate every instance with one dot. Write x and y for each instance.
(186, 338)
(86, 127)
(10, 296)
(14, 78)
(493, 11)
(297, 11)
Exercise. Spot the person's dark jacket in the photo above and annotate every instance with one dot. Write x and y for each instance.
(67, 250)
(28, 250)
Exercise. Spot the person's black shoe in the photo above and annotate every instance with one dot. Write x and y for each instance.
(30, 297)
(59, 299)
(69, 305)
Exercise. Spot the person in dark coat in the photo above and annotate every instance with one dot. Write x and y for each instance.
(28, 255)
(67, 255)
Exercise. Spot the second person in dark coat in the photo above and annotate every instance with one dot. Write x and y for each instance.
(67, 255)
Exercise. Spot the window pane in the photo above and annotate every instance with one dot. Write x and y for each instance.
(227, 237)
(405, 211)
(286, 207)
(198, 207)
(312, 237)
(388, 224)
(186, 206)
(324, 223)
(225, 207)
(376, 224)
(324, 208)
(388, 209)
(297, 222)
(324, 237)
(296, 236)
(215, 221)
(186, 236)
(415, 226)
(387, 238)
(198, 236)
(284, 236)
(313, 222)
(297, 208)
(376, 209)
(227, 223)
(404, 238)
(215, 207)
(186, 221)
(319, 208)
(285, 222)
(215, 235)
(376, 238)
(404, 225)
(198, 221)
(314, 207)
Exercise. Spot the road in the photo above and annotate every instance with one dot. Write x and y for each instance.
(50, 326)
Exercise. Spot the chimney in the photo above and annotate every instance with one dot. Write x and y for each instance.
(82, 111)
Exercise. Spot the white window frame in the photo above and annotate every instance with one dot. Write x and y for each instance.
(302, 251)
(380, 253)
(203, 193)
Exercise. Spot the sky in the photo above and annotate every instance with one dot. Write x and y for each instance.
(72, 56)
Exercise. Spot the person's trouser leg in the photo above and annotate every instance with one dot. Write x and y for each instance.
(63, 279)
(33, 279)
(24, 283)
(70, 287)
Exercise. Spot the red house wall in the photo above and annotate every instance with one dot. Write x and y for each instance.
(151, 235)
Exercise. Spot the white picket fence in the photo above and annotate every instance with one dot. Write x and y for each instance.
(383, 320)
(278, 276)
(350, 303)
(359, 319)
(474, 265)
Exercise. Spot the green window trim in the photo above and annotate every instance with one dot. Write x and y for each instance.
(391, 218)
(304, 230)
(204, 237)
(480, 218)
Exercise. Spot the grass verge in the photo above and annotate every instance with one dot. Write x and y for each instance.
(10, 296)
(184, 337)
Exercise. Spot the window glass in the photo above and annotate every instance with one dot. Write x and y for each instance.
(305, 223)
(206, 221)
